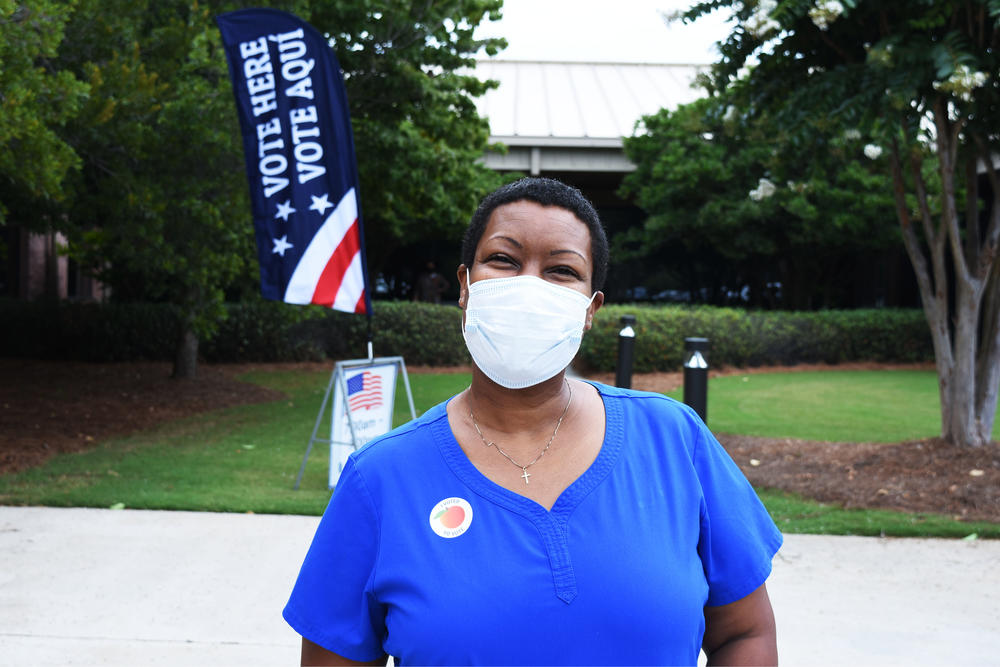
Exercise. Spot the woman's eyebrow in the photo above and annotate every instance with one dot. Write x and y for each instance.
(567, 250)
(508, 239)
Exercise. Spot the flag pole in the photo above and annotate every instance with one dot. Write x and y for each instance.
(371, 354)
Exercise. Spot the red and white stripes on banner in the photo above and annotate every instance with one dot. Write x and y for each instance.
(330, 273)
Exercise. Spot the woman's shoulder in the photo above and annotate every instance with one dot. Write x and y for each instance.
(656, 421)
(636, 399)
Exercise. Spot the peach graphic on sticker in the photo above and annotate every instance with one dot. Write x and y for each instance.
(451, 517)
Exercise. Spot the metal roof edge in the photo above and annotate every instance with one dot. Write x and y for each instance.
(558, 142)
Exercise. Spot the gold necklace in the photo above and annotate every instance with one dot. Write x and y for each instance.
(524, 468)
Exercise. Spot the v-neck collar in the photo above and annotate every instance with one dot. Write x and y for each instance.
(568, 499)
(550, 523)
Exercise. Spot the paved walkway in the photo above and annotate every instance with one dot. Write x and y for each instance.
(103, 587)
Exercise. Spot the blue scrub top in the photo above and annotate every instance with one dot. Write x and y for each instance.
(422, 557)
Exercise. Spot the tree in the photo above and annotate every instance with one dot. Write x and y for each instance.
(36, 99)
(920, 79)
(725, 207)
(159, 202)
(419, 139)
(159, 207)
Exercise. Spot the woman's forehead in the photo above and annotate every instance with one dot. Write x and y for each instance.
(529, 222)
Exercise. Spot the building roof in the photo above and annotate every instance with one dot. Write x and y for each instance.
(578, 104)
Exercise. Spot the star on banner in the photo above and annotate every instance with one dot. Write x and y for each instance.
(320, 204)
(285, 210)
(281, 245)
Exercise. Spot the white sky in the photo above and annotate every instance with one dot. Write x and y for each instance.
(604, 31)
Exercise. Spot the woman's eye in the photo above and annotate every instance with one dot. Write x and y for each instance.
(503, 259)
(566, 271)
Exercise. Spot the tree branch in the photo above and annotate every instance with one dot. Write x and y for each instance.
(956, 130)
(992, 237)
(936, 301)
(946, 143)
(987, 160)
(972, 231)
(910, 239)
(926, 217)
(988, 354)
(935, 307)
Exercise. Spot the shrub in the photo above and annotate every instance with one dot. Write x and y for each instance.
(87, 331)
(428, 334)
(262, 330)
(422, 333)
(740, 338)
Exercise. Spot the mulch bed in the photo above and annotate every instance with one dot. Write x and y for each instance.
(925, 476)
(48, 408)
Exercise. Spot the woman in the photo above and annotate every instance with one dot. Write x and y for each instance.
(533, 518)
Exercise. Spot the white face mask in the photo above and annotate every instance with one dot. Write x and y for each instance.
(523, 330)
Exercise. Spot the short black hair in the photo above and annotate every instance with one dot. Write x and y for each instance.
(546, 192)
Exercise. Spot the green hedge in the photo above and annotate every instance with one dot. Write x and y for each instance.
(264, 331)
(427, 334)
(87, 331)
(740, 338)
(422, 333)
(253, 331)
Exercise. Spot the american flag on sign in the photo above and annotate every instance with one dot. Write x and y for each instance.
(364, 390)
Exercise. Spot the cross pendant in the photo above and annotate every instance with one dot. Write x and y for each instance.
(525, 474)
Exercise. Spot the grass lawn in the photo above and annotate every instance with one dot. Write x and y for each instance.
(794, 514)
(245, 459)
(831, 406)
(239, 459)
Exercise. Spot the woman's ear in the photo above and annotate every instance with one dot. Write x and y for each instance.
(463, 287)
(595, 305)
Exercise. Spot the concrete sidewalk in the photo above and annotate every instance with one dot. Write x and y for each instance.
(102, 587)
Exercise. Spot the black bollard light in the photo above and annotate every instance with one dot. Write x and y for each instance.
(626, 351)
(696, 376)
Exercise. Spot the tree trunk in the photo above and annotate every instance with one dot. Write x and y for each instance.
(966, 338)
(186, 358)
(988, 360)
(962, 425)
(975, 370)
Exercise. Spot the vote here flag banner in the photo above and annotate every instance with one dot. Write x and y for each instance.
(300, 160)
